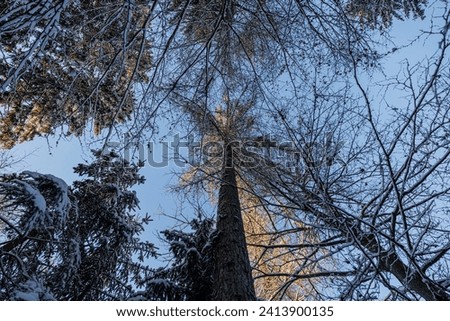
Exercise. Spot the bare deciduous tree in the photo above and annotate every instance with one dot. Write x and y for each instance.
(375, 189)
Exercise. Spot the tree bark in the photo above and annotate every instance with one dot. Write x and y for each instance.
(233, 279)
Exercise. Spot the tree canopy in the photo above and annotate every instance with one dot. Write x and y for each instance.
(69, 63)
(326, 183)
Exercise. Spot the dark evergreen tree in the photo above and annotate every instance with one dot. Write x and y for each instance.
(71, 243)
(190, 274)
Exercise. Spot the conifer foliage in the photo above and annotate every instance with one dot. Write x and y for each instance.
(67, 63)
(189, 276)
(78, 242)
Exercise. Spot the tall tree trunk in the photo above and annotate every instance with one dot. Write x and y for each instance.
(232, 272)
